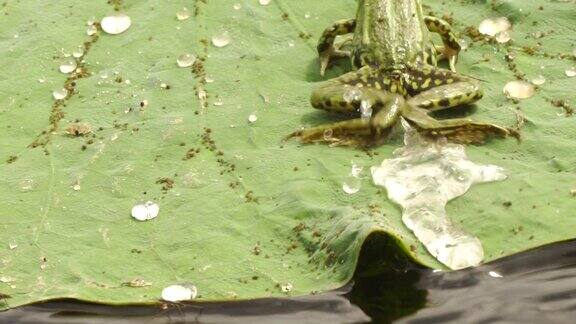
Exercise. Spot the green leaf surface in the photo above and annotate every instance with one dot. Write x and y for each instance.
(247, 216)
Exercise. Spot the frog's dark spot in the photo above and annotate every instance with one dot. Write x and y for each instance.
(323, 46)
(444, 102)
(507, 203)
(11, 159)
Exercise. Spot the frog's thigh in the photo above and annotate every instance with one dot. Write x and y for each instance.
(345, 93)
(447, 96)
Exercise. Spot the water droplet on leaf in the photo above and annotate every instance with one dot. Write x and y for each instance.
(186, 60)
(221, 39)
(78, 52)
(145, 211)
(503, 37)
(351, 185)
(252, 118)
(91, 30)
(116, 23)
(494, 26)
(68, 66)
(539, 80)
(183, 14)
(60, 94)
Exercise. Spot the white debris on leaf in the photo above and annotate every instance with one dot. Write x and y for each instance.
(519, 89)
(181, 292)
(287, 287)
(422, 178)
(145, 211)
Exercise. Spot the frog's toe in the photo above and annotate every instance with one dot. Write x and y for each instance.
(450, 54)
(324, 61)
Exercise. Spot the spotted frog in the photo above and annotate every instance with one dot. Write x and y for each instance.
(396, 76)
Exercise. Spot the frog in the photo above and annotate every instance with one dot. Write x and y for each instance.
(396, 76)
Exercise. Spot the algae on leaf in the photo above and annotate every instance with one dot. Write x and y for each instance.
(243, 215)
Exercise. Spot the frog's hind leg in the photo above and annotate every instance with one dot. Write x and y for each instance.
(437, 89)
(327, 49)
(451, 47)
(442, 89)
(464, 131)
(349, 94)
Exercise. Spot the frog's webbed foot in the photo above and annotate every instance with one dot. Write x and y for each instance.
(327, 49)
(463, 131)
(451, 47)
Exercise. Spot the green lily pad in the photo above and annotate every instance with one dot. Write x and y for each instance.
(242, 215)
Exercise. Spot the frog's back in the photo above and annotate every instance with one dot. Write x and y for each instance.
(390, 33)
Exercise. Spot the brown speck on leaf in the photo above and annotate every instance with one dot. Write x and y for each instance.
(167, 183)
(256, 250)
(136, 283)
(299, 228)
(78, 129)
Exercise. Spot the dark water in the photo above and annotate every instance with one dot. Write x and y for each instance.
(537, 286)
